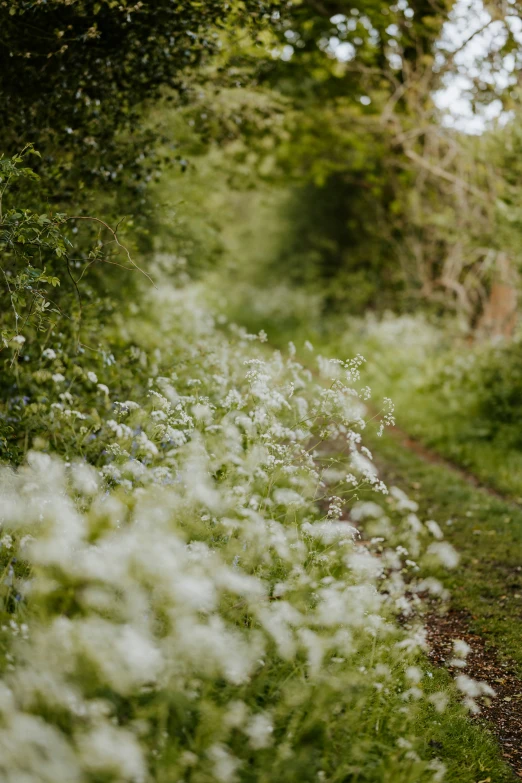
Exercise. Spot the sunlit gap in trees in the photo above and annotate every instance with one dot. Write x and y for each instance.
(472, 38)
(469, 51)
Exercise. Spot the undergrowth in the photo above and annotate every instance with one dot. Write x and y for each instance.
(192, 590)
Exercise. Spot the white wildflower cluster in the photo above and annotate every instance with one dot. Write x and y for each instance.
(198, 605)
(408, 332)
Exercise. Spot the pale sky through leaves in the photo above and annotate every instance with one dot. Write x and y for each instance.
(470, 18)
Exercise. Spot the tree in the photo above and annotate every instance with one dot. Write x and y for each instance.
(76, 74)
(363, 132)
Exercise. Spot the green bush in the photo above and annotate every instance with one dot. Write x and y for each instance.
(499, 391)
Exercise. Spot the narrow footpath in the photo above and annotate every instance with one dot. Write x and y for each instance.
(486, 604)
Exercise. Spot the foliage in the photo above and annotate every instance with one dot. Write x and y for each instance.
(75, 74)
(31, 245)
(499, 384)
(199, 582)
(335, 107)
(380, 191)
(53, 286)
(37, 258)
(200, 603)
(487, 385)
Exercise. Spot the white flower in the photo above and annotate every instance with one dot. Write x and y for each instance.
(440, 700)
(434, 529)
(414, 674)
(92, 377)
(22, 739)
(363, 465)
(461, 648)
(225, 764)
(58, 377)
(188, 759)
(366, 510)
(103, 388)
(403, 502)
(18, 339)
(7, 541)
(85, 478)
(457, 663)
(439, 769)
(237, 715)
(329, 531)
(48, 353)
(124, 655)
(259, 731)
(445, 553)
(416, 641)
(473, 688)
(111, 750)
(288, 497)
(145, 444)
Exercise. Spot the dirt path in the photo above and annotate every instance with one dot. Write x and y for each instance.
(502, 714)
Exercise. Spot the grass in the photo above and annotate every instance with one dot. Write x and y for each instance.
(456, 434)
(467, 749)
(487, 532)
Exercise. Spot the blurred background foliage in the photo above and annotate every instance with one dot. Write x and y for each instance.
(327, 127)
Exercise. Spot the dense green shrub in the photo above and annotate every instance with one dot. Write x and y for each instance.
(74, 75)
(498, 386)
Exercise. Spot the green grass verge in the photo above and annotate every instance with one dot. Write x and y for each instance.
(454, 431)
(487, 532)
(467, 748)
